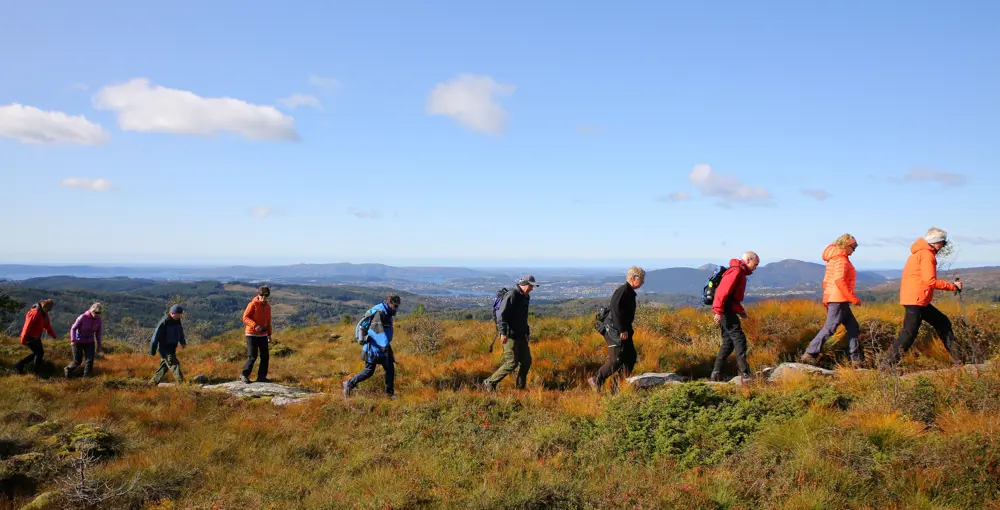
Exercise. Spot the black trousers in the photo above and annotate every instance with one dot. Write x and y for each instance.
(255, 345)
(621, 355)
(388, 363)
(911, 327)
(37, 353)
(733, 339)
(81, 352)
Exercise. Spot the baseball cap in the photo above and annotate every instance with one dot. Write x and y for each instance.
(527, 280)
(177, 309)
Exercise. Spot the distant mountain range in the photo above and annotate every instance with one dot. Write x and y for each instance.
(785, 274)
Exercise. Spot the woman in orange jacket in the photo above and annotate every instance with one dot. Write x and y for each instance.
(257, 319)
(36, 323)
(838, 296)
(916, 290)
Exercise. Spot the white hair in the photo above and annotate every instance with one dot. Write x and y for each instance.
(935, 235)
(635, 271)
(749, 255)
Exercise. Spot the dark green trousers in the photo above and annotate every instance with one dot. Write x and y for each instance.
(168, 360)
(516, 355)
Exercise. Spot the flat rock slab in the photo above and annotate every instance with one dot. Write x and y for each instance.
(649, 380)
(281, 395)
(786, 369)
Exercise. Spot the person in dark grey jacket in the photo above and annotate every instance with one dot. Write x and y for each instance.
(618, 331)
(168, 335)
(512, 324)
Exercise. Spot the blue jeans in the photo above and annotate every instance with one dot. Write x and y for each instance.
(388, 363)
(837, 314)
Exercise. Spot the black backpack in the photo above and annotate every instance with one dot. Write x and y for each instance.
(708, 293)
(601, 319)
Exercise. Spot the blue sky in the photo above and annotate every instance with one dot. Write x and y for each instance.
(503, 133)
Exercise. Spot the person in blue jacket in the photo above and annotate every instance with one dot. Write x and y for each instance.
(168, 335)
(378, 349)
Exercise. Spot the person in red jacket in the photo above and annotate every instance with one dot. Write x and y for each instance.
(36, 322)
(728, 308)
(257, 319)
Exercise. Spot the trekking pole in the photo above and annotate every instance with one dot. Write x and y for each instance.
(493, 341)
(961, 302)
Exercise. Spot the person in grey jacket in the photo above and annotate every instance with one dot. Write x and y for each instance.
(168, 335)
(512, 324)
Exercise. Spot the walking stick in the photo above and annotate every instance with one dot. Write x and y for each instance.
(961, 302)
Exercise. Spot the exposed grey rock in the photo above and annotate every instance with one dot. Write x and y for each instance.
(281, 395)
(785, 369)
(649, 380)
(166, 385)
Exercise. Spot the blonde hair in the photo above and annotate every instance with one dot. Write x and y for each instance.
(96, 308)
(845, 240)
(635, 271)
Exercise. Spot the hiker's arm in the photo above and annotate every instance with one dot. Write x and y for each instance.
(616, 309)
(840, 279)
(48, 327)
(376, 332)
(183, 339)
(74, 330)
(505, 307)
(155, 341)
(248, 315)
(929, 270)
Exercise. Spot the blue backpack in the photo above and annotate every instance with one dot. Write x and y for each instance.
(361, 330)
(496, 304)
(708, 293)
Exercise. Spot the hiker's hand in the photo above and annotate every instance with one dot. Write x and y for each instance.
(717, 318)
(856, 302)
(503, 339)
(744, 314)
(623, 335)
(258, 329)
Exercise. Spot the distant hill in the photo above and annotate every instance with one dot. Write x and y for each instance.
(677, 280)
(785, 274)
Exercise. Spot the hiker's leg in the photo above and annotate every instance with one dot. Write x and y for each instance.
(265, 357)
(251, 356)
(77, 359)
(89, 350)
(162, 371)
(507, 364)
(175, 366)
(608, 367)
(363, 375)
(907, 334)
(833, 319)
(725, 349)
(628, 357)
(739, 340)
(522, 354)
(853, 334)
(389, 365)
(942, 325)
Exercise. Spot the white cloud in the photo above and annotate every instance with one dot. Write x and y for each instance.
(471, 101)
(728, 188)
(85, 184)
(28, 124)
(296, 100)
(918, 174)
(145, 108)
(261, 212)
(365, 214)
(680, 196)
(818, 194)
(327, 84)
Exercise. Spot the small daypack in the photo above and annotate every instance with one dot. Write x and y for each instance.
(708, 293)
(496, 304)
(601, 318)
(361, 330)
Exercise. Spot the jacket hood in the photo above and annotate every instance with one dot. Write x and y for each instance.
(740, 264)
(833, 251)
(919, 245)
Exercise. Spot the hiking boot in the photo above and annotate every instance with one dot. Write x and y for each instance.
(716, 376)
(347, 389)
(592, 381)
(487, 387)
(66, 372)
(809, 359)
(244, 379)
(392, 396)
(19, 368)
(263, 380)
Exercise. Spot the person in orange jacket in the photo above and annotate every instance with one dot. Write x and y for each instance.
(36, 323)
(257, 319)
(838, 296)
(916, 291)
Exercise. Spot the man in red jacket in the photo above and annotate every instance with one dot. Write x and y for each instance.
(728, 309)
(36, 322)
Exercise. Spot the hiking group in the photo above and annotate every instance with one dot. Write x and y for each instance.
(724, 292)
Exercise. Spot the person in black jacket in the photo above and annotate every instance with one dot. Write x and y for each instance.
(618, 331)
(512, 324)
(168, 335)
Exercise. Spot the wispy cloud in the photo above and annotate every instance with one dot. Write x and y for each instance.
(472, 101)
(369, 214)
(28, 124)
(918, 174)
(818, 194)
(325, 84)
(975, 240)
(297, 100)
(84, 184)
(147, 108)
(726, 187)
(261, 212)
(679, 196)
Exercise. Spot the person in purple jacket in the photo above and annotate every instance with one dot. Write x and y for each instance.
(85, 336)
